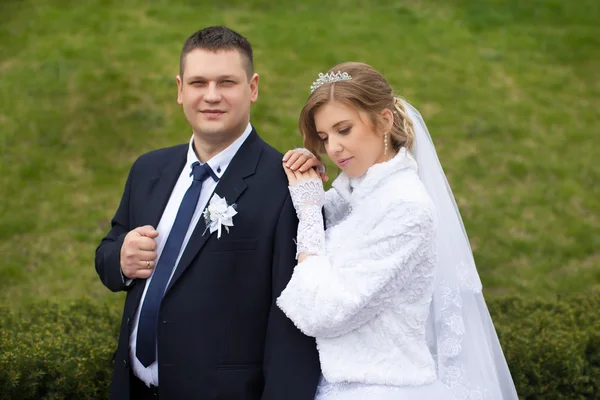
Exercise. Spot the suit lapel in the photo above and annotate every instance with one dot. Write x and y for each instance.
(160, 187)
(230, 186)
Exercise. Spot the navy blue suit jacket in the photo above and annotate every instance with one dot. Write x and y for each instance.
(220, 334)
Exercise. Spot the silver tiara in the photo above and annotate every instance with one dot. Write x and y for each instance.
(329, 77)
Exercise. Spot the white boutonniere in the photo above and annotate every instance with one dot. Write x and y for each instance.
(218, 214)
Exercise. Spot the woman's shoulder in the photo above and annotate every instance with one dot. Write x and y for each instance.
(400, 200)
(404, 188)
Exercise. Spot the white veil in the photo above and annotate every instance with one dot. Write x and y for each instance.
(460, 332)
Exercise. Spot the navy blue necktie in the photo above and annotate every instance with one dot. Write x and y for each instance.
(148, 324)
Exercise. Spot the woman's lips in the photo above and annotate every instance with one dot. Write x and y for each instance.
(344, 161)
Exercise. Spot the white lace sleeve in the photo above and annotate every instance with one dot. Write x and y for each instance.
(326, 298)
(308, 197)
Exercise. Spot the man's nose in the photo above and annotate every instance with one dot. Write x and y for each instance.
(212, 95)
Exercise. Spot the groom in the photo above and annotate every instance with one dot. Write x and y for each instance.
(200, 320)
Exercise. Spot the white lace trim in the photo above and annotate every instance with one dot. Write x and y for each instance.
(468, 277)
(452, 331)
(327, 389)
(308, 198)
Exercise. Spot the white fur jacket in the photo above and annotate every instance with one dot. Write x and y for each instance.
(367, 299)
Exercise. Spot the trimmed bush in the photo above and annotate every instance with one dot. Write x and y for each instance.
(57, 351)
(552, 347)
(64, 351)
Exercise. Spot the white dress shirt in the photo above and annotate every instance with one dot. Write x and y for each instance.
(219, 164)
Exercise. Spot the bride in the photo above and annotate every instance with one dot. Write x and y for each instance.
(386, 280)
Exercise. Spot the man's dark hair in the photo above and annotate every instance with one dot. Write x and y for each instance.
(217, 38)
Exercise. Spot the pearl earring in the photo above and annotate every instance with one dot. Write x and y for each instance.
(385, 144)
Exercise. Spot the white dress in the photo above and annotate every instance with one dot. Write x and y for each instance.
(362, 391)
(366, 297)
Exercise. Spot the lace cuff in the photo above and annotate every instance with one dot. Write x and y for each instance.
(308, 197)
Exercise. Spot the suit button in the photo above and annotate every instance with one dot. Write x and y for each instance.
(125, 364)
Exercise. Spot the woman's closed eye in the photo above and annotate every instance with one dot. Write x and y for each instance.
(345, 131)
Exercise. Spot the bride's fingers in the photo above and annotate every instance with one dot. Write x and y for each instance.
(310, 163)
(290, 175)
(313, 174)
(287, 155)
(292, 158)
(300, 162)
(300, 175)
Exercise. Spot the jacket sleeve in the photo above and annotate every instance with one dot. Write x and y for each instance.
(291, 362)
(333, 294)
(334, 208)
(108, 253)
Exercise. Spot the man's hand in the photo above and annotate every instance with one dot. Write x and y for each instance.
(138, 253)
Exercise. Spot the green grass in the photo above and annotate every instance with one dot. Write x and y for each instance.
(509, 89)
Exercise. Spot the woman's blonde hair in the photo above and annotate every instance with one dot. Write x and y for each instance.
(368, 91)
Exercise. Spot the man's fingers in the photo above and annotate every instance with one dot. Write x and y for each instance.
(133, 257)
(141, 261)
(146, 255)
(144, 243)
(143, 273)
(146, 264)
(147, 231)
(138, 247)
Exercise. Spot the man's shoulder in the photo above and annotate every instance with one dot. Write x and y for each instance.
(271, 160)
(161, 156)
(269, 153)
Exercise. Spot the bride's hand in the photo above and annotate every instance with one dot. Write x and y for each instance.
(303, 160)
(308, 198)
(296, 177)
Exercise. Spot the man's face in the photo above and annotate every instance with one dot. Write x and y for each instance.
(216, 94)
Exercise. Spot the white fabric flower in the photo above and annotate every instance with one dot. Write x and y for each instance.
(219, 214)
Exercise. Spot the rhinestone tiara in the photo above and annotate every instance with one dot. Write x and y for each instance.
(329, 77)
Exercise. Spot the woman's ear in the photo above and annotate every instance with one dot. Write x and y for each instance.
(387, 120)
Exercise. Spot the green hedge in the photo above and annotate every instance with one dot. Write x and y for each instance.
(552, 347)
(57, 351)
(63, 351)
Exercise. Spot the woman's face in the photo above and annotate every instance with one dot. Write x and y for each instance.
(349, 137)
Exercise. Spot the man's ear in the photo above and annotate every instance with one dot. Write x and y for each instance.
(254, 88)
(179, 87)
